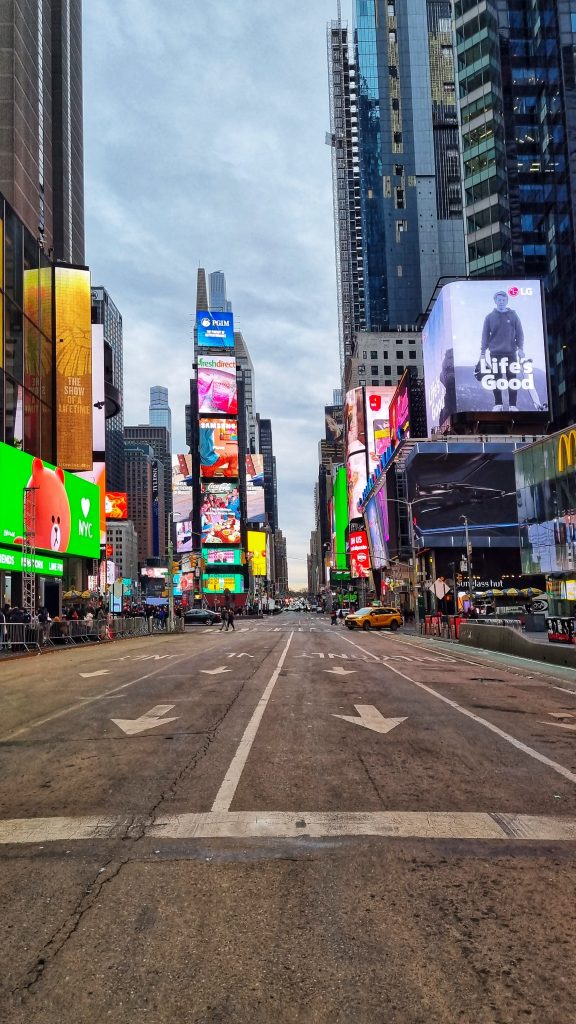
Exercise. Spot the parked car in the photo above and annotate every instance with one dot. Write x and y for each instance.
(201, 616)
(374, 618)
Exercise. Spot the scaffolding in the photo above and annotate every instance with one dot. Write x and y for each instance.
(29, 551)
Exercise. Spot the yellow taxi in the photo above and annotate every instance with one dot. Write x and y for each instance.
(374, 618)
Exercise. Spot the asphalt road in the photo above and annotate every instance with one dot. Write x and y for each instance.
(288, 823)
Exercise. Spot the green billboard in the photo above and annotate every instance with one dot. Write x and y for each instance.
(66, 518)
(340, 517)
(43, 565)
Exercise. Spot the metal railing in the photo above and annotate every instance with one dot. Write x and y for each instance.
(20, 637)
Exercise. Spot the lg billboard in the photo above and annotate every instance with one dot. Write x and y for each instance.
(484, 350)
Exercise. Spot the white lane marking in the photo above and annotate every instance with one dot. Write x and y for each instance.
(225, 794)
(339, 671)
(150, 720)
(563, 689)
(88, 700)
(241, 655)
(215, 671)
(245, 825)
(560, 725)
(371, 718)
(560, 769)
(90, 675)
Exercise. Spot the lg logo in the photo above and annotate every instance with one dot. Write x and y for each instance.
(514, 291)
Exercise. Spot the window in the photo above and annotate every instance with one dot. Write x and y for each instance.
(397, 138)
(412, 355)
(373, 355)
(373, 369)
(387, 371)
(400, 198)
(362, 369)
(399, 170)
(385, 355)
(395, 105)
(375, 382)
(364, 355)
(393, 71)
(399, 354)
(399, 369)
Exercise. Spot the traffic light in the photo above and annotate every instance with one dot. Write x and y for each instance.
(175, 567)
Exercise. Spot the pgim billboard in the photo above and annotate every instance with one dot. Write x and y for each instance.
(484, 350)
(217, 388)
(214, 330)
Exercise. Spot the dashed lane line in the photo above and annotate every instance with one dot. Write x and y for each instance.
(243, 825)
(535, 754)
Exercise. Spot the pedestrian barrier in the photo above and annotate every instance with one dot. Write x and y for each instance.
(19, 637)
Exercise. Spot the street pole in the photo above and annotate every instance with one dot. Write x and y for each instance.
(415, 566)
(468, 558)
(170, 580)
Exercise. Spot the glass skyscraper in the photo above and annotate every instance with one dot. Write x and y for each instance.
(517, 96)
(159, 411)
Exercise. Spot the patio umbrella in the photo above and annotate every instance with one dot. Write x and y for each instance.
(531, 591)
(511, 592)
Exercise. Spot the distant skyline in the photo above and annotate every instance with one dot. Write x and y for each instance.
(220, 163)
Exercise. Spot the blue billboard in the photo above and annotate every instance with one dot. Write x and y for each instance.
(215, 330)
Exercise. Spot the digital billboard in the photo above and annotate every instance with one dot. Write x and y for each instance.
(400, 411)
(220, 513)
(181, 487)
(356, 480)
(184, 536)
(215, 330)
(116, 504)
(99, 403)
(153, 573)
(217, 389)
(222, 556)
(359, 555)
(334, 423)
(97, 475)
(43, 565)
(340, 518)
(484, 350)
(67, 507)
(377, 423)
(257, 550)
(218, 448)
(378, 547)
(354, 421)
(214, 584)
(255, 489)
(74, 401)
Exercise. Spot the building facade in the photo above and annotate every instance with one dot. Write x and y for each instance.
(270, 488)
(159, 409)
(380, 357)
(105, 312)
(517, 98)
(41, 142)
(140, 488)
(123, 540)
(158, 439)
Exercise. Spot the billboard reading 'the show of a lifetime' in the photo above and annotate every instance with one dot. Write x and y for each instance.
(484, 350)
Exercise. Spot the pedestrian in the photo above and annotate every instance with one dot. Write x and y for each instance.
(333, 617)
(224, 622)
(3, 631)
(230, 619)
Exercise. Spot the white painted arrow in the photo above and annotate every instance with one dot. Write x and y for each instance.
(241, 655)
(562, 725)
(370, 718)
(150, 720)
(215, 671)
(339, 671)
(89, 675)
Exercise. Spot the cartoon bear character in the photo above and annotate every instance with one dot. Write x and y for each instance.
(52, 508)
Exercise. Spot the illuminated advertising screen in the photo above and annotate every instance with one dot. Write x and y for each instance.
(153, 573)
(184, 536)
(382, 506)
(217, 389)
(215, 330)
(97, 475)
(377, 423)
(334, 423)
(99, 404)
(354, 421)
(181, 487)
(255, 489)
(74, 401)
(377, 546)
(220, 513)
(116, 505)
(43, 565)
(218, 448)
(484, 350)
(340, 518)
(356, 479)
(400, 411)
(214, 584)
(222, 556)
(359, 555)
(67, 517)
(257, 552)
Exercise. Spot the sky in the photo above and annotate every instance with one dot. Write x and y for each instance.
(204, 133)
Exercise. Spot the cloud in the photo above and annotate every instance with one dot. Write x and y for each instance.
(205, 146)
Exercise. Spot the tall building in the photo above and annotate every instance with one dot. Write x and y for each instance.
(381, 357)
(245, 365)
(516, 78)
(139, 485)
(123, 539)
(218, 301)
(270, 488)
(394, 135)
(105, 312)
(41, 137)
(158, 439)
(159, 410)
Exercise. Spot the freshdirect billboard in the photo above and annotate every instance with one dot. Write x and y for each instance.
(74, 401)
(484, 350)
(67, 507)
(215, 330)
(217, 389)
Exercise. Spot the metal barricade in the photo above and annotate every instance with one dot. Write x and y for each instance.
(17, 637)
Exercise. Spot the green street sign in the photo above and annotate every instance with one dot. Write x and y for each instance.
(42, 565)
(67, 507)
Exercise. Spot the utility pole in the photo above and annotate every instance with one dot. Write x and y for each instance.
(170, 579)
(415, 566)
(468, 557)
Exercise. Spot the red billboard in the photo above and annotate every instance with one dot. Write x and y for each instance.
(359, 555)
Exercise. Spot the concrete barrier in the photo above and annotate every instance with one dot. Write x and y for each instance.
(509, 641)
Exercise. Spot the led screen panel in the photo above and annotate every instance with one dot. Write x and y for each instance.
(218, 584)
(354, 422)
(377, 546)
(377, 423)
(116, 505)
(217, 389)
(222, 556)
(359, 555)
(257, 551)
(218, 448)
(43, 565)
(356, 480)
(255, 489)
(181, 487)
(74, 368)
(220, 513)
(215, 330)
(184, 537)
(400, 412)
(484, 350)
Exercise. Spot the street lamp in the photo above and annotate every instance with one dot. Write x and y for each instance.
(468, 557)
(409, 505)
